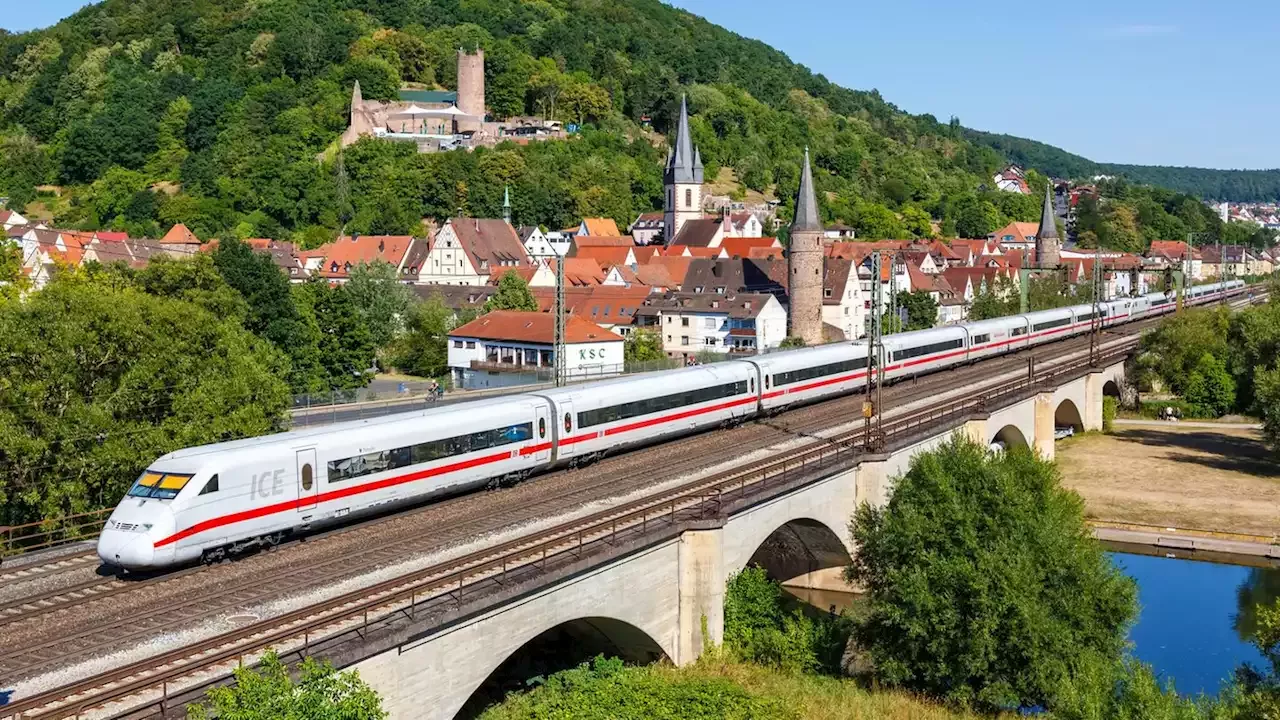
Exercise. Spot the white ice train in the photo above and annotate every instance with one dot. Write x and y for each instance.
(216, 500)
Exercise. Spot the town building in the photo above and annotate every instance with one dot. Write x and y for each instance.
(1016, 236)
(1048, 244)
(1012, 179)
(471, 251)
(804, 256)
(690, 323)
(507, 347)
(334, 261)
(683, 180)
(536, 243)
(648, 229)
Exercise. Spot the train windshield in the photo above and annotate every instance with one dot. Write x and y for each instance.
(164, 486)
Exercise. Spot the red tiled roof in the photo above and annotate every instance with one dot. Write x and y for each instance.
(741, 246)
(179, 235)
(605, 257)
(532, 327)
(349, 251)
(585, 241)
(601, 226)
(600, 303)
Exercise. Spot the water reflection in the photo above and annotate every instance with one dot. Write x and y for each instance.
(1195, 617)
(1262, 588)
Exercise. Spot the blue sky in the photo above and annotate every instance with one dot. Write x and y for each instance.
(1167, 82)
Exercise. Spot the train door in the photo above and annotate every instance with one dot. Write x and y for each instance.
(308, 485)
(567, 423)
(542, 433)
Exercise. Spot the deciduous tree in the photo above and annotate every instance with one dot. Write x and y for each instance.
(513, 294)
(102, 378)
(382, 300)
(985, 586)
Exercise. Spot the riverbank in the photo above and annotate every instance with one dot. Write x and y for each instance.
(711, 689)
(1171, 475)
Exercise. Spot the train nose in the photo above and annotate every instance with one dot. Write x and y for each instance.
(126, 549)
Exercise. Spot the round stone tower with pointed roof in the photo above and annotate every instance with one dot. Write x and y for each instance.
(683, 180)
(804, 261)
(1048, 244)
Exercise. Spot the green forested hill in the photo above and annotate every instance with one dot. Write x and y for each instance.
(213, 112)
(1233, 185)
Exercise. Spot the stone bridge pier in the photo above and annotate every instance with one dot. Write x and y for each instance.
(666, 599)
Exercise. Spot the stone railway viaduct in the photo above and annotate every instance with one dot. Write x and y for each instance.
(665, 598)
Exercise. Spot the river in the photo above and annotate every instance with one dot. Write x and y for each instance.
(1196, 617)
(1194, 621)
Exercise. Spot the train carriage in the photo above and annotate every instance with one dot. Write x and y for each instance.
(1049, 325)
(212, 500)
(924, 351)
(596, 418)
(231, 496)
(805, 375)
(997, 336)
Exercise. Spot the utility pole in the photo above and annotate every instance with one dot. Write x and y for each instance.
(559, 338)
(894, 325)
(869, 406)
(1095, 326)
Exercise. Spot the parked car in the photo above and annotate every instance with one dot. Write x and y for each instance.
(1063, 431)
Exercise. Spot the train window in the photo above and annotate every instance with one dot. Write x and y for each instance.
(809, 373)
(159, 485)
(396, 458)
(542, 427)
(751, 384)
(920, 350)
(210, 487)
(588, 418)
(980, 339)
(1084, 316)
(307, 480)
(1018, 331)
(145, 483)
(1051, 324)
(568, 422)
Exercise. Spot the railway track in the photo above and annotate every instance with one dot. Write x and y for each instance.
(482, 565)
(33, 658)
(840, 411)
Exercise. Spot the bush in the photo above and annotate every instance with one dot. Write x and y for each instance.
(320, 693)
(1185, 410)
(606, 690)
(1109, 407)
(759, 628)
(985, 586)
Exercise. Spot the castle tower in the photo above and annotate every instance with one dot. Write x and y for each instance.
(359, 123)
(683, 180)
(1048, 244)
(471, 89)
(804, 260)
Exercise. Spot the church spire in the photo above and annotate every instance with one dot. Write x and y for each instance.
(1048, 227)
(806, 217)
(685, 164)
(506, 203)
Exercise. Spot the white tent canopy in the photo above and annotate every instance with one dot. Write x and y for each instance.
(451, 111)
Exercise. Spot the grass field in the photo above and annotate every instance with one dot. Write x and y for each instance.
(1162, 474)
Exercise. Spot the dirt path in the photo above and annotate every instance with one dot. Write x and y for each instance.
(1221, 479)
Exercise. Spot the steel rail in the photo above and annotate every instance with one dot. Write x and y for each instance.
(696, 499)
